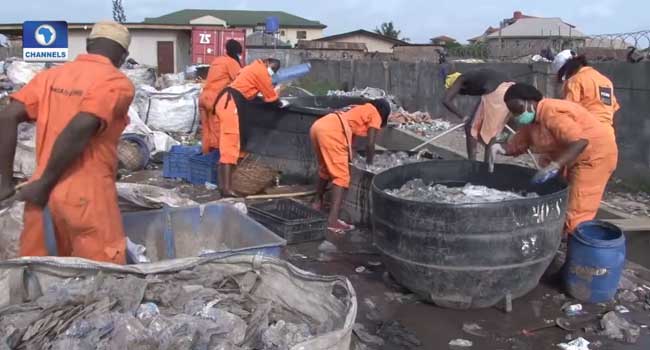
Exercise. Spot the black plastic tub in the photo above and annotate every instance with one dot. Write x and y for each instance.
(281, 136)
(356, 203)
(467, 255)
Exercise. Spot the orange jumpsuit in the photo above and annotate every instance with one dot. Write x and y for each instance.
(252, 79)
(593, 91)
(223, 71)
(559, 123)
(331, 136)
(83, 203)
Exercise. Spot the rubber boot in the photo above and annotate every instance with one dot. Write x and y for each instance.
(225, 181)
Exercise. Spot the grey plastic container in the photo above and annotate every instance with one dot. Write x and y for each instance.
(219, 229)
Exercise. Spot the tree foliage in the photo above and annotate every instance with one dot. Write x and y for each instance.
(119, 15)
(388, 29)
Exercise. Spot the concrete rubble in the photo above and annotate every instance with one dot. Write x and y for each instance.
(384, 161)
(417, 190)
(191, 309)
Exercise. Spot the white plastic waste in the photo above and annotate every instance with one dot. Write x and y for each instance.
(576, 344)
(175, 109)
(21, 72)
(158, 142)
(4, 41)
(140, 196)
(11, 226)
(141, 75)
(172, 79)
(25, 158)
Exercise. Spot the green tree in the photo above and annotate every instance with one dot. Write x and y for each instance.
(118, 11)
(388, 29)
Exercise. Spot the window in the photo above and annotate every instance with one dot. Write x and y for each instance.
(282, 33)
(301, 34)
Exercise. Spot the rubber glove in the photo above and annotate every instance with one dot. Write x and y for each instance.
(494, 150)
(548, 172)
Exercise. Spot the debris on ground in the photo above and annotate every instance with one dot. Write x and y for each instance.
(198, 309)
(474, 329)
(11, 226)
(384, 161)
(622, 309)
(417, 190)
(572, 310)
(576, 344)
(626, 296)
(402, 116)
(365, 337)
(426, 130)
(461, 343)
(327, 247)
(634, 203)
(619, 328)
(400, 297)
(395, 333)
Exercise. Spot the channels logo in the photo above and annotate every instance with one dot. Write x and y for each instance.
(45, 41)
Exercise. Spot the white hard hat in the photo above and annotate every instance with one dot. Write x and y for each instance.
(560, 59)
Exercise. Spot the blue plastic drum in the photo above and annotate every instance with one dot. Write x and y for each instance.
(595, 261)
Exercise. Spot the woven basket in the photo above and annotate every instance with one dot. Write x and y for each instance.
(251, 177)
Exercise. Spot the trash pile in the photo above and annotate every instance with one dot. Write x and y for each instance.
(417, 190)
(637, 203)
(384, 161)
(426, 129)
(200, 306)
(369, 93)
(401, 116)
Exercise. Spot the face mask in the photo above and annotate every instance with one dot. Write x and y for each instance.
(271, 72)
(527, 117)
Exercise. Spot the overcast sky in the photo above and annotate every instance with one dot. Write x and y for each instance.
(418, 19)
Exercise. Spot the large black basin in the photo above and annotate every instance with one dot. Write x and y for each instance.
(468, 255)
(281, 136)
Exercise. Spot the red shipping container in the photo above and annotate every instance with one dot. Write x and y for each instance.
(210, 42)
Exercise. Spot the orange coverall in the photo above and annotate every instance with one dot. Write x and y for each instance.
(83, 203)
(331, 136)
(559, 123)
(252, 79)
(223, 71)
(593, 91)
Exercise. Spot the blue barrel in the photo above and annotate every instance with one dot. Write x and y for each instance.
(291, 73)
(595, 261)
(272, 24)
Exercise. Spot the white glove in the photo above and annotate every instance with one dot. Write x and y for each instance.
(497, 148)
(284, 103)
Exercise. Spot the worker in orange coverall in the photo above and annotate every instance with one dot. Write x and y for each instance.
(253, 79)
(331, 136)
(223, 71)
(586, 86)
(80, 110)
(573, 138)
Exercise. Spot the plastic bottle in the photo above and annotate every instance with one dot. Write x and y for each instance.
(291, 73)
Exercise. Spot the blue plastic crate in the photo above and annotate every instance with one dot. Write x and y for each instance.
(176, 163)
(203, 168)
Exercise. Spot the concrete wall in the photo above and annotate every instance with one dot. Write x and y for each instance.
(290, 57)
(420, 86)
(144, 45)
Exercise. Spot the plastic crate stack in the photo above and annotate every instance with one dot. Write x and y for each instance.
(203, 168)
(176, 163)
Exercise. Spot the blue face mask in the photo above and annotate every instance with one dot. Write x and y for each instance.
(527, 117)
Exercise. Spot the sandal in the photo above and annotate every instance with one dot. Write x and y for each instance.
(340, 227)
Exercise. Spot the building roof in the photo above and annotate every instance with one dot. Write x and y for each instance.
(537, 27)
(259, 39)
(235, 18)
(443, 38)
(364, 32)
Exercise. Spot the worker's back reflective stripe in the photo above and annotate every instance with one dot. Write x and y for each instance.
(605, 93)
